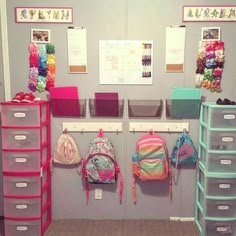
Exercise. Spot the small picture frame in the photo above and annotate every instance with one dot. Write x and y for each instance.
(40, 36)
(210, 34)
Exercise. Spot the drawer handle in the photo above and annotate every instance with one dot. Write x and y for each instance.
(229, 117)
(224, 186)
(225, 162)
(21, 206)
(21, 185)
(20, 137)
(19, 114)
(20, 160)
(21, 228)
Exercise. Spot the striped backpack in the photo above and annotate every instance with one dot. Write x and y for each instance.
(100, 165)
(151, 160)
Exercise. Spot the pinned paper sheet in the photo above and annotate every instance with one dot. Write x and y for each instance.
(77, 50)
(175, 45)
(65, 101)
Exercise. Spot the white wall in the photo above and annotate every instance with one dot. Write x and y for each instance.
(131, 20)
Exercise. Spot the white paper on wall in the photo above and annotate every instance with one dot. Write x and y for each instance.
(125, 62)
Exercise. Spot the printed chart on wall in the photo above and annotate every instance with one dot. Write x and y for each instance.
(77, 50)
(125, 62)
(175, 44)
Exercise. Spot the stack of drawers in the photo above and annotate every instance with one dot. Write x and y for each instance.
(26, 167)
(215, 213)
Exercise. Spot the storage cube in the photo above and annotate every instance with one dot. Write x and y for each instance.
(16, 138)
(22, 227)
(24, 161)
(221, 208)
(24, 114)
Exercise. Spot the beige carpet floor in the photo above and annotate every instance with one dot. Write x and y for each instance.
(121, 228)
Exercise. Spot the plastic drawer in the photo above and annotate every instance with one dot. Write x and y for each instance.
(22, 228)
(221, 187)
(24, 161)
(21, 186)
(219, 228)
(23, 138)
(23, 114)
(221, 208)
(26, 207)
(221, 117)
(218, 162)
(219, 140)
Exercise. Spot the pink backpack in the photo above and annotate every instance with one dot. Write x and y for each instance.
(151, 160)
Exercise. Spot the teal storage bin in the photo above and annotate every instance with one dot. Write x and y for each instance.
(185, 103)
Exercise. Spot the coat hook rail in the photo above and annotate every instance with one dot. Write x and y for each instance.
(158, 127)
(83, 127)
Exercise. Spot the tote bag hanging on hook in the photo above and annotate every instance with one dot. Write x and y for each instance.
(184, 151)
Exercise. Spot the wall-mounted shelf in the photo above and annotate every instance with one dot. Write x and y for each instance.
(92, 126)
(68, 107)
(158, 126)
(106, 108)
(145, 108)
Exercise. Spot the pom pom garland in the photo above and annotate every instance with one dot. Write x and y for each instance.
(210, 65)
(42, 63)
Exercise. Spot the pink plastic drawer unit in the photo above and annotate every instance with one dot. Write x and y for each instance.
(23, 161)
(17, 207)
(21, 185)
(22, 227)
(16, 138)
(220, 208)
(23, 114)
(220, 228)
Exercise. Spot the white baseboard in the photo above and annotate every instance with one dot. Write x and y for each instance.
(184, 219)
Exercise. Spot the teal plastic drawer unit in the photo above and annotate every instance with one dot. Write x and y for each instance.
(215, 207)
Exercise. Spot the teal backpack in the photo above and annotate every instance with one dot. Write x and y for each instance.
(184, 151)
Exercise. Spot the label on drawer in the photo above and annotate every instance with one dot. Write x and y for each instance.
(20, 160)
(224, 185)
(227, 139)
(20, 137)
(21, 228)
(223, 207)
(222, 229)
(21, 185)
(229, 117)
(225, 162)
(21, 206)
(19, 115)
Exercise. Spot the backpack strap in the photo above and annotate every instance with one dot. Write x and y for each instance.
(100, 133)
(121, 182)
(84, 176)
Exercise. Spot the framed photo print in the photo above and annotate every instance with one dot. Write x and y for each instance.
(40, 36)
(210, 34)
